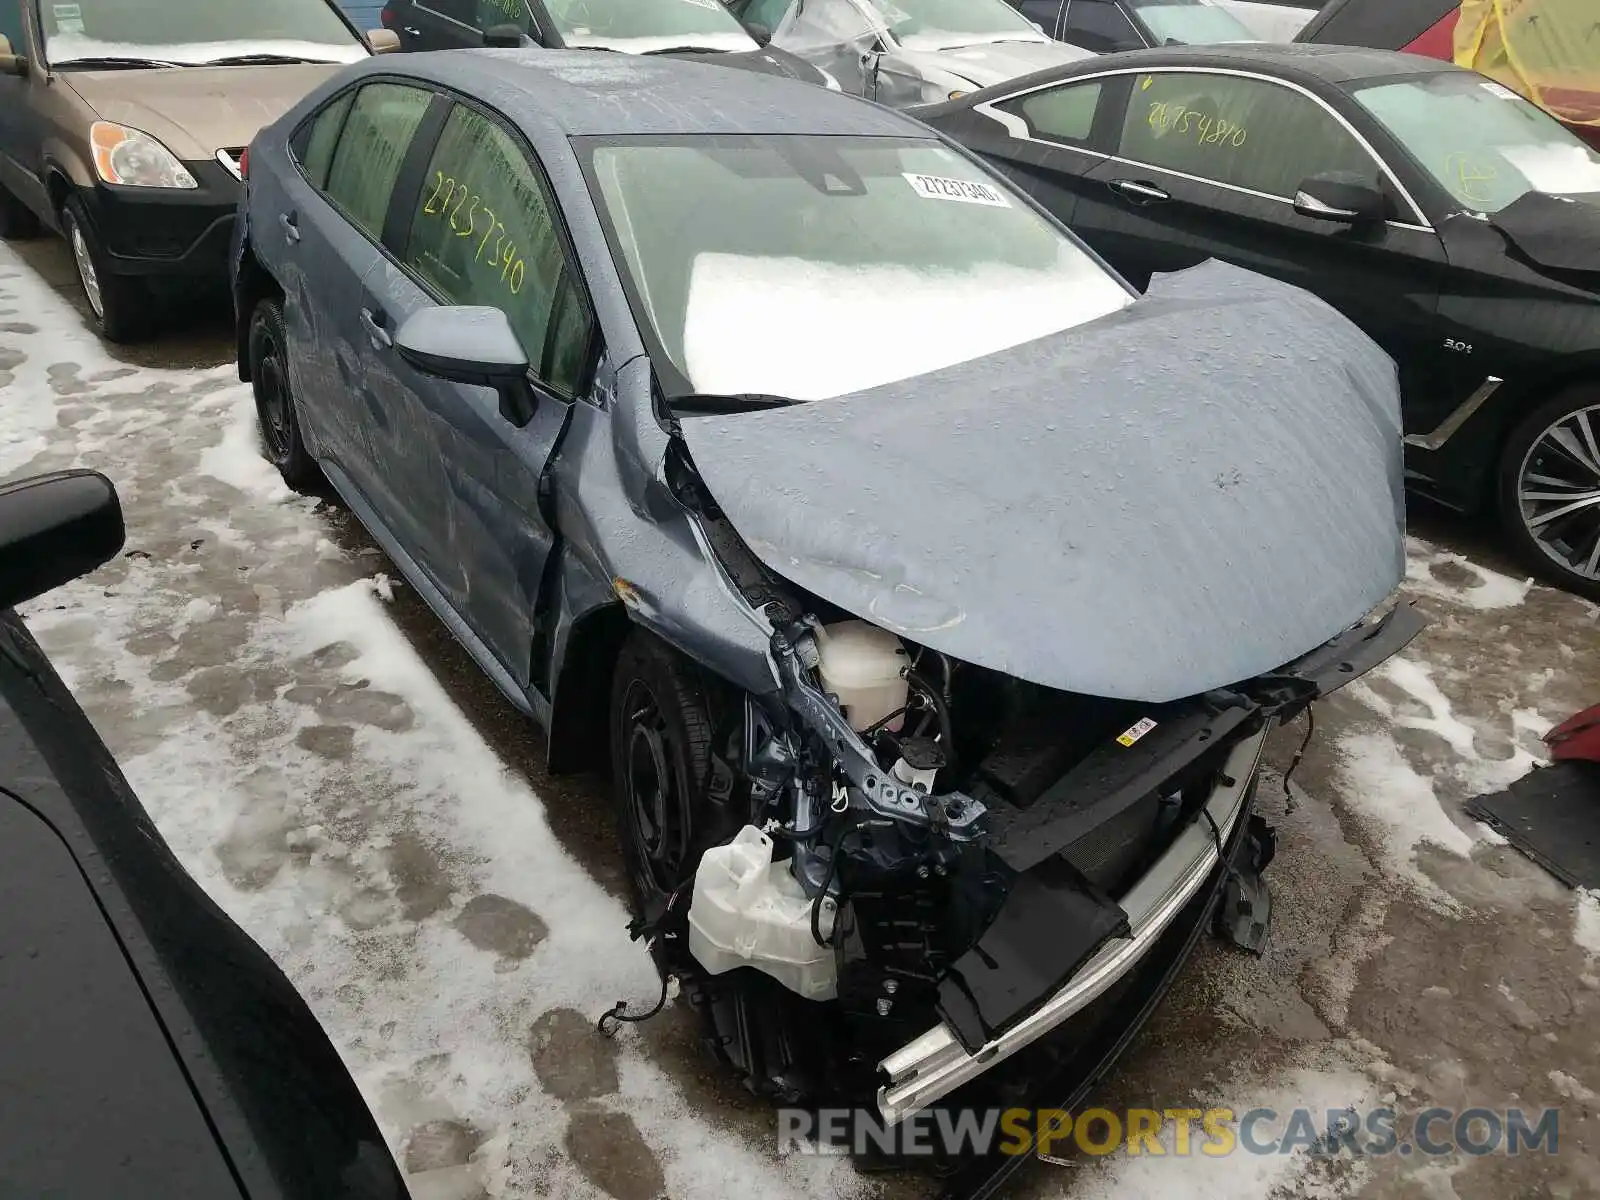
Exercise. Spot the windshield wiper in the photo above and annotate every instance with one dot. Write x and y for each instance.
(712, 404)
(117, 64)
(687, 50)
(246, 60)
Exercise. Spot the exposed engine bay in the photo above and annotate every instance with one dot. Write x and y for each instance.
(911, 850)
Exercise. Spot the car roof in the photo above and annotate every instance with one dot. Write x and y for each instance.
(592, 92)
(1306, 62)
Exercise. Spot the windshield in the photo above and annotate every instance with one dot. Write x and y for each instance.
(946, 24)
(195, 32)
(812, 267)
(1482, 142)
(640, 26)
(1192, 22)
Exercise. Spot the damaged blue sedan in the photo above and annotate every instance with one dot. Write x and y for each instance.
(926, 591)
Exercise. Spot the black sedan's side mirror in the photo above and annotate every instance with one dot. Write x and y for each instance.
(758, 31)
(503, 36)
(471, 345)
(1343, 197)
(54, 528)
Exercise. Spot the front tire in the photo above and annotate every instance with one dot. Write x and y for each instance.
(660, 733)
(276, 414)
(119, 305)
(1549, 490)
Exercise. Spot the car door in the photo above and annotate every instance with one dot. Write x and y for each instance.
(1099, 25)
(19, 123)
(1207, 165)
(483, 230)
(440, 25)
(323, 234)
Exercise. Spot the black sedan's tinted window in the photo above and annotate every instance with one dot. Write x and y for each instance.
(1248, 133)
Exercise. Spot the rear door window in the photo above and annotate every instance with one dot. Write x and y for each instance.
(315, 141)
(371, 147)
(485, 233)
(1248, 133)
(1060, 114)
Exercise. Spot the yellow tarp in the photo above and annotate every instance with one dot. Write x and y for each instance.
(1548, 50)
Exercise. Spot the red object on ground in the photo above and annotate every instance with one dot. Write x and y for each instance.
(1576, 738)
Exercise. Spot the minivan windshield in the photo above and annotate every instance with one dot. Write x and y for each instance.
(1482, 142)
(194, 32)
(810, 267)
(640, 26)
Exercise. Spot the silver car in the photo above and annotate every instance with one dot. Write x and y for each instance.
(901, 52)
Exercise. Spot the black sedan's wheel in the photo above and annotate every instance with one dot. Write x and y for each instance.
(1550, 489)
(120, 305)
(275, 410)
(661, 765)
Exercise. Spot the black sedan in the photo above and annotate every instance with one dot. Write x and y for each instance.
(151, 1048)
(1449, 218)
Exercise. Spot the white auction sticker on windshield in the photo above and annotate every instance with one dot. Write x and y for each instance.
(1499, 89)
(69, 18)
(964, 191)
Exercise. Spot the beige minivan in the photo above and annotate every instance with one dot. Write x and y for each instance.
(122, 124)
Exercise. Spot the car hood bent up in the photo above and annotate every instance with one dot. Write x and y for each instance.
(1179, 496)
(989, 63)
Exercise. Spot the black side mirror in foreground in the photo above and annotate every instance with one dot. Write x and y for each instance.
(53, 529)
(1341, 196)
(759, 32)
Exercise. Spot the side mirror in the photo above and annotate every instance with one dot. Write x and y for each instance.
(759, 32)
(471, 345)
(54, 528)
(1343, 197)
(383, 41)
(505, 37)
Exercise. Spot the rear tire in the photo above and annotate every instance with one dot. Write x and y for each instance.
(17, 221)
(276, 412)
(1548, 490)
(120, 306)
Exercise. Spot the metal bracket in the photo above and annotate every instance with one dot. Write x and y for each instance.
(1452, 424)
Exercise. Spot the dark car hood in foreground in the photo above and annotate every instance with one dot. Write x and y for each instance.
(1170, 499)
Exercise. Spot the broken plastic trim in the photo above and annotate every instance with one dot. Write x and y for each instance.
(955, 814)
(935, 1064)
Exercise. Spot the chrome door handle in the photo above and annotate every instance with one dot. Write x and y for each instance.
(290, 229)
(1143, 193)
(372, 322)
(411, 31)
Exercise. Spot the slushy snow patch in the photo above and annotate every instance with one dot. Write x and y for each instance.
(1390, 794)
(1586, 923)
(1490, 589)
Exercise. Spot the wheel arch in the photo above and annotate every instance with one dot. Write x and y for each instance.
(255, 283)
(1503, 420)
(580, 699)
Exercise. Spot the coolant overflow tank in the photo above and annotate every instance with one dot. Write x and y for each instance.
(866, 668)
(749, 911)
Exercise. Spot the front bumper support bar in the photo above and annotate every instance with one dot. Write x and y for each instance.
(935, 1064)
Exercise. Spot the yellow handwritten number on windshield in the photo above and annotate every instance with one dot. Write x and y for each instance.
(446, 201)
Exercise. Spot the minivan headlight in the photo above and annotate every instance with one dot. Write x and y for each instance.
(135, 159)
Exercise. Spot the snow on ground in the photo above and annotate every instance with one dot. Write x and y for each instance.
(243, 660)
(312, 773)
